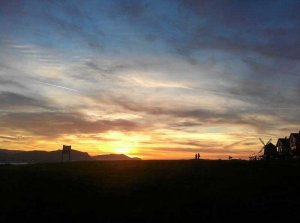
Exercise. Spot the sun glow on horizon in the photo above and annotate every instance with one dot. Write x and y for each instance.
(122, 150)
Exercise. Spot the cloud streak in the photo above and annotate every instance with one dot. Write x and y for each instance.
(58, 86)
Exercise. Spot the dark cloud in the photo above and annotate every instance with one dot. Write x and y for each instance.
(12, 7)
(5, 81)
(50, 22)
(265, 97)
(6, 78)
(72, 29)
(54, 124)
(132, 9)
(10, 100)
(174, 117)
(235, 12)
(244, 27)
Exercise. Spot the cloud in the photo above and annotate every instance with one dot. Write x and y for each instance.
(152, 83)
(10, 83)
(55, 124)
(133, 10)
(9, 138)
(194, 150)
(13, 7)
(188, 119)
(12, 101)
(58, 86)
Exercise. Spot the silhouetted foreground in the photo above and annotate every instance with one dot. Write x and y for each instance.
(39, 156)
(150, 191)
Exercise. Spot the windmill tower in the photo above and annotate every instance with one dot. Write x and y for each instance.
(269, 150)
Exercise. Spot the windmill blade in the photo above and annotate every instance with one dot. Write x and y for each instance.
(261, 149)
(262, 141)
(269, 141)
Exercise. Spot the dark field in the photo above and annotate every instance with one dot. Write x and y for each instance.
(150, 191)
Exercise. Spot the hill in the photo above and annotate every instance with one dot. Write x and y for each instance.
(114, 157)
(7, 151)
(37, 156)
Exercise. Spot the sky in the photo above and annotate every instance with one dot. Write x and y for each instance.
(153, 79)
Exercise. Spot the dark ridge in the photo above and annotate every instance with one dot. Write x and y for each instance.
(114, 157)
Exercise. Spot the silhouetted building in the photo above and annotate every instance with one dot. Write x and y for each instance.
(283, 148)
(270, 151)
(66, 151)
(294, 140)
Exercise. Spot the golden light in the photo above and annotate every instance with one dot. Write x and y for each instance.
(122, 150)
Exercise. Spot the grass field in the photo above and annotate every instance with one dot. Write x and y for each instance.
(150, 191)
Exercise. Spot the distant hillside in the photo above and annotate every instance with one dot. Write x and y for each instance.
(7, 151)
(36, 156)
(114, 157)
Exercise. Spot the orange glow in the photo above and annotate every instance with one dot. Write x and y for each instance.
(157, 144)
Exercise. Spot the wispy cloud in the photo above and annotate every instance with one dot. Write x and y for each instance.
(58, 86)
(152, 83)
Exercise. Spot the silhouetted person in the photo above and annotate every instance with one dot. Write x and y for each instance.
(198, 156)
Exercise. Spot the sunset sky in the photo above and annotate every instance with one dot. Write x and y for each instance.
(153, 79)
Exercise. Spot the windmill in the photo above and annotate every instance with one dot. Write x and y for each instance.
(265, 144)
(270, 150)
(258, 156)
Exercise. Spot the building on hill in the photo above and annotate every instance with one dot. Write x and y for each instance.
(283, 148)
(294, 140)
